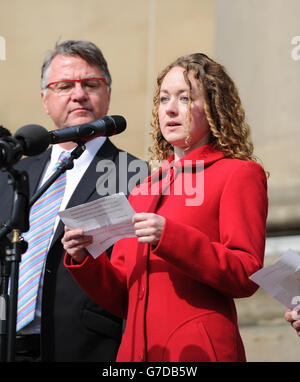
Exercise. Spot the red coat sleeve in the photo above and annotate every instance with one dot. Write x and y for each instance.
(227, 264)
(103, 282)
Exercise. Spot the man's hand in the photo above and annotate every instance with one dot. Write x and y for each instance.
(75, 242)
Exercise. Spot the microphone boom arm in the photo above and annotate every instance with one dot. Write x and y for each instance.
(60, 170)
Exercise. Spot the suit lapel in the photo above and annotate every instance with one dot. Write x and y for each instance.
(36, 170)
(87, 184)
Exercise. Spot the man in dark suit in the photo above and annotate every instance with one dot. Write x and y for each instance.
(67, 324)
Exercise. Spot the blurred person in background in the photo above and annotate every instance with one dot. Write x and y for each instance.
(293, 318)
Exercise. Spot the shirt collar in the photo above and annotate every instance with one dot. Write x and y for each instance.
(206, 153)
(91, 146)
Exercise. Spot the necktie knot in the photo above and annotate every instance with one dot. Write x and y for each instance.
(63, 158)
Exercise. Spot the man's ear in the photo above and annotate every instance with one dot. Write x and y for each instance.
(109, 95)
(44, 102)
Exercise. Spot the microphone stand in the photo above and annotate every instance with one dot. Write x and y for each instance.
(19, 223)
(10, 262)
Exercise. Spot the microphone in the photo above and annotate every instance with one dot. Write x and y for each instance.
(34, 139)
(29, 140)
(4, 132)
(107, 126)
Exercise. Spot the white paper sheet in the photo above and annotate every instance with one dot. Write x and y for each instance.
(282, 279)
(107, 219)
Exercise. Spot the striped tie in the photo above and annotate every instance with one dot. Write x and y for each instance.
(42, 218)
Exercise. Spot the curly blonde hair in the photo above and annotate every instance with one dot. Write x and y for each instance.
(229, 131)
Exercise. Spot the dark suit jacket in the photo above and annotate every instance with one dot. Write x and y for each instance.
(73, 328)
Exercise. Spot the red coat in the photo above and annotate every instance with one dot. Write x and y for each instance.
(178, 297)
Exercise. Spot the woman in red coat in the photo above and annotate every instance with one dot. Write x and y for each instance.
(200, 225)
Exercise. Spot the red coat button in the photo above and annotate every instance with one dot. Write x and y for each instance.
(142, 357)
(141, 292)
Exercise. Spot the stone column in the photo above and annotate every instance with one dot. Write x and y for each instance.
(258, 42)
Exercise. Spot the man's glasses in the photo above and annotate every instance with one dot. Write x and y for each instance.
(65, 87)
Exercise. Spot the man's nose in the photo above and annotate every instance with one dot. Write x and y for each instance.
(78, 92)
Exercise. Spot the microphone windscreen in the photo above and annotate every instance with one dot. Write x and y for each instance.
(36, 139)
(4, 132)
(120, 123)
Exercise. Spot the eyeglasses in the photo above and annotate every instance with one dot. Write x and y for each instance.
(65, 87)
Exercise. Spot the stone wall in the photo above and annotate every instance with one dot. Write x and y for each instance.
(254, 42)
(138, 38)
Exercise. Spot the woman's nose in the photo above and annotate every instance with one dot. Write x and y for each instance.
(172, 107)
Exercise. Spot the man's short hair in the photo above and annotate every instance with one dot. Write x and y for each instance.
(84, 49)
